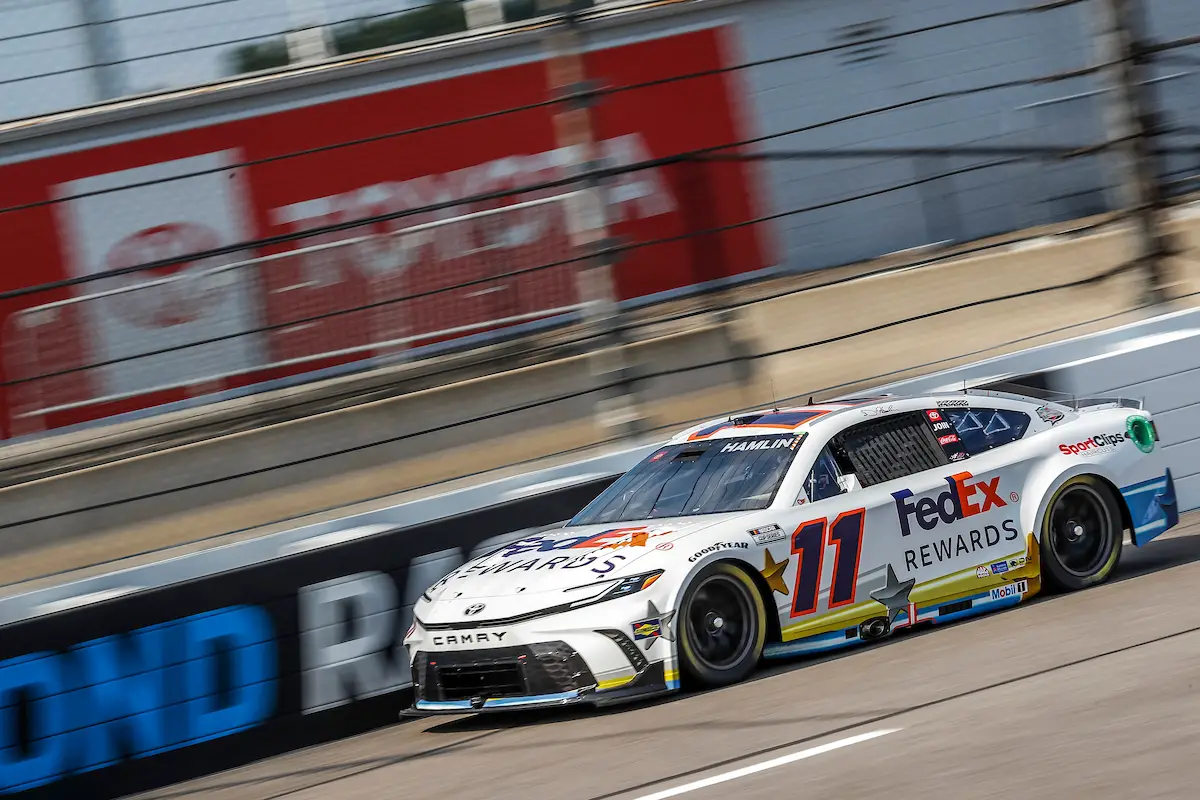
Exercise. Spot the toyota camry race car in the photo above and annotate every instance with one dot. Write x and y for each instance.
(794, 531)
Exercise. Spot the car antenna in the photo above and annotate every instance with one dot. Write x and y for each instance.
(774, 399)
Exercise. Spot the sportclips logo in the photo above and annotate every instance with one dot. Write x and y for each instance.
(1099, 443)
(965, 498)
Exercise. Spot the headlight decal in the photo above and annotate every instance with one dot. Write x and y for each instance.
(628, 586)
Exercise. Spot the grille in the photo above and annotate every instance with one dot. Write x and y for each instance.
(500, 672)
(485, 680)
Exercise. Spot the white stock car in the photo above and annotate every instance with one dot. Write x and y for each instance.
(793, 531)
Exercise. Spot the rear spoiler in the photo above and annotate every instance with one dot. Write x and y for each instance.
(1016, 391)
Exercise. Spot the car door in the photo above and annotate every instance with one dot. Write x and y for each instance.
(886, 510)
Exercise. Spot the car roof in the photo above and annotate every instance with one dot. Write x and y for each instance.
(774, 420)
(798, 419)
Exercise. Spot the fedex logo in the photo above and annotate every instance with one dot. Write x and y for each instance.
(965, 498)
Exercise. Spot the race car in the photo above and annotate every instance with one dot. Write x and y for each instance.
(794, 531)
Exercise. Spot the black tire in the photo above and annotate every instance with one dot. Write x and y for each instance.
(1082, 535)
(721, 626)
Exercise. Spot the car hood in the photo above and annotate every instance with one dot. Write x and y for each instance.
(535, 571)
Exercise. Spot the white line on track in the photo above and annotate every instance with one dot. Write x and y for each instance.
(765, 765)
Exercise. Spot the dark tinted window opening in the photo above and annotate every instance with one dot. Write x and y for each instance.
(891, 447)
(824, 480)
(983, 429)
(695, 478)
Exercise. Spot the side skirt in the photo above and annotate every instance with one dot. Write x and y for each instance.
(998, 598)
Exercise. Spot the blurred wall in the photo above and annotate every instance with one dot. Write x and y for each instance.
(210, 132)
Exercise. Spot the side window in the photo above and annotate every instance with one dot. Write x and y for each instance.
(824, 481)
(983, 429)
(889, 447)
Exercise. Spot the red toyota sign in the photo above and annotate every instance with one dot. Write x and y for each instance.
(187, 192)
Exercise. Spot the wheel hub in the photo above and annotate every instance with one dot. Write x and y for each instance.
(718, 622)
(1080, 530)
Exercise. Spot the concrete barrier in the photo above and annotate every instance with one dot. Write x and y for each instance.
(391, 444)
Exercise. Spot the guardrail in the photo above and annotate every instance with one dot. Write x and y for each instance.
(159, 673)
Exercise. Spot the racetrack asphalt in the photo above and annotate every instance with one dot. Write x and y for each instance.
(1091, 694)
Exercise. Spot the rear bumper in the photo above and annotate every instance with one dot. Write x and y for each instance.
(1153, 509)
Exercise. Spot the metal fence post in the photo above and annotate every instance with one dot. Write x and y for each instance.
(616, 408)
(1130, 112)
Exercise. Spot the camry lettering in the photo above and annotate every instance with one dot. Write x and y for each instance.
(953, 505)
(492, 637)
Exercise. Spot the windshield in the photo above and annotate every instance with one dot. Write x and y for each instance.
(693, 478)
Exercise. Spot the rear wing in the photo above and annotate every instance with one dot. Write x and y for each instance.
(1016, 391)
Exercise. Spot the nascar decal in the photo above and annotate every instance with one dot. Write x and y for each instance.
(767, 534)
(966, 497)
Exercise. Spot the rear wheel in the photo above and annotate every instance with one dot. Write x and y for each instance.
(721, 627)
(1082, 534)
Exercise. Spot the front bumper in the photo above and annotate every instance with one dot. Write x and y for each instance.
(510, 678)
(580, 657)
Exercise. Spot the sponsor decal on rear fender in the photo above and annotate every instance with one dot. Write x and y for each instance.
(1096, 445)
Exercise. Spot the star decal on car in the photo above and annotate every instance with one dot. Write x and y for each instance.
(772, 572)
(894, 594)
(657, 625)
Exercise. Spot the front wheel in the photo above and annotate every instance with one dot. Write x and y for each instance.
(721, 624)
(1082, 534)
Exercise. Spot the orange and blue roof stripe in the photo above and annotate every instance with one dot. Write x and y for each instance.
(784, 420)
